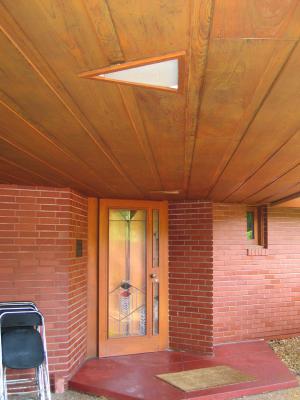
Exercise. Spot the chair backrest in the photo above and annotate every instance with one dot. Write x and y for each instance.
(12, 318)
(18, 305)
(22, 348)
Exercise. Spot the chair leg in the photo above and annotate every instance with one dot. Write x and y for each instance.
(1, 381)
(38, 382)
(46, 380)
(5, 395)
(41, 383)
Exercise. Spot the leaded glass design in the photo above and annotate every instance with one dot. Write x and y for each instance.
(155, 243)
(127, 273)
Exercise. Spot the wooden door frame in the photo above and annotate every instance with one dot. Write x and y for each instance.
(162, 340)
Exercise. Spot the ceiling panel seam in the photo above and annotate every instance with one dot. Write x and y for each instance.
(59, 147)
(269, 158)
(34, 157)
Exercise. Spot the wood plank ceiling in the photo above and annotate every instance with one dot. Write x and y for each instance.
(233, 135)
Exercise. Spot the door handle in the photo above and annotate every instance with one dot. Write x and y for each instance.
(154, 276)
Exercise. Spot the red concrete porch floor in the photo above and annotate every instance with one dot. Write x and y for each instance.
(133, 377)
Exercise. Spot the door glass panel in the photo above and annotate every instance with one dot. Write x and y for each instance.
(155, 323)
(155, 244)
(127, 273)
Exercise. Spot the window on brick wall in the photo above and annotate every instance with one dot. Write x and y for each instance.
(251, 216)
(256, 222)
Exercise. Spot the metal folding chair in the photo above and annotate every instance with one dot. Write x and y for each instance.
(22, 347)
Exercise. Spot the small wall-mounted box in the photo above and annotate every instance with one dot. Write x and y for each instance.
(79, 246)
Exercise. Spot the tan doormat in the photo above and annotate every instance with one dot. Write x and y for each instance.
(205, 378)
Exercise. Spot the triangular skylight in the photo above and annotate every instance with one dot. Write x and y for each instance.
(163, 72)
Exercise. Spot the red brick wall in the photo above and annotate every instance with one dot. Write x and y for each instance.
(190, 275)
(256, 296)
(253, 296)
(38, 228)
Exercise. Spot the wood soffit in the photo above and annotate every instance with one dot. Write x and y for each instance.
(232, 133)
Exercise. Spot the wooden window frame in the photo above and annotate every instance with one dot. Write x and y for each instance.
(255, 222)
(260, 226)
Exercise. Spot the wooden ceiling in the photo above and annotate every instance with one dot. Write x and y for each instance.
(232, 135)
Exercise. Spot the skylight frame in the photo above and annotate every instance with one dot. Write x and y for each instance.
(180, 56)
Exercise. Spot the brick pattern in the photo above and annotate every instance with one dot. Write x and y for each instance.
(77, 268)
(256, 297)
(38, 227)
(190, 275)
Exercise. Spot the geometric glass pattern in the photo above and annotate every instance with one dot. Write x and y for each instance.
(127, 273)
(155, 244)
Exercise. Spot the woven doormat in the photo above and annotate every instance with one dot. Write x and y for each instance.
(205, 378)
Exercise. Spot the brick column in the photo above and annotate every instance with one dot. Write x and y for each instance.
(191, 275)
(38, 231)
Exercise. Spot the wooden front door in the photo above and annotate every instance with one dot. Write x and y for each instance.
(133, 277)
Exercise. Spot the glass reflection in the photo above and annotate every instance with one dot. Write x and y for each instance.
(155, 308)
